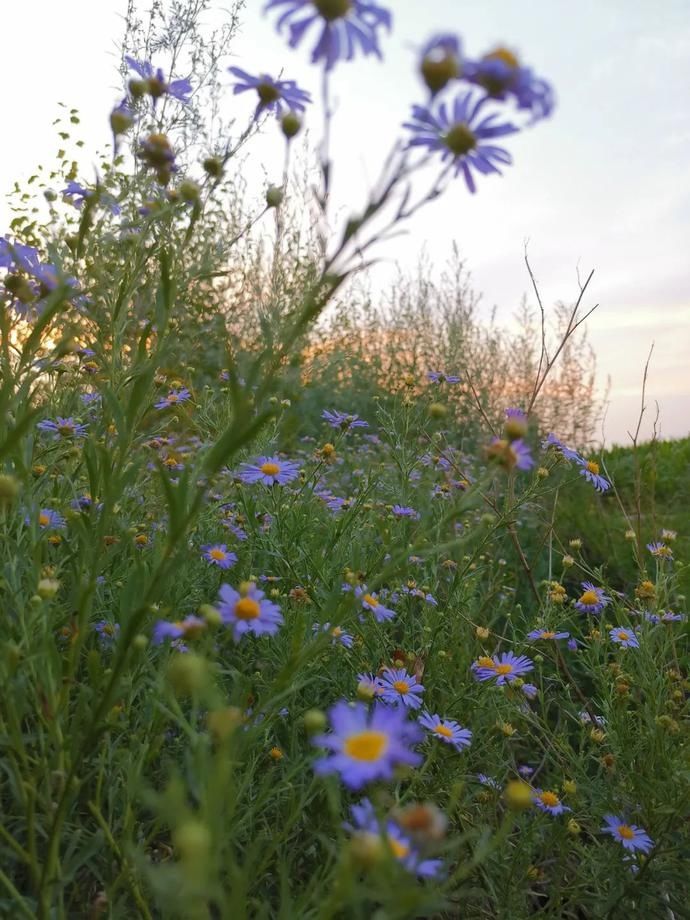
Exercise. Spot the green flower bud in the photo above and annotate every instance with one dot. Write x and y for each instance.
(48, 588)
(291, 125)
(274, 196)
(314, 721)
(213, 166)
(188, 674)
(9, 489)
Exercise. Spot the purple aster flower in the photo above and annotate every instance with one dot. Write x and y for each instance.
(189, 628)
(572, 645)
(462, 135)
(345, 26)
(447, 730)
(440, 61)
(505, 669)
(670, 617)
(501, 75)
(338, 635)
(530, 691)
(77, 194)
(590, 470)
(49, 520)
(488, 781)
(371, 602)
(156, 84)
(107, 633)
(586, 718)
(173, 398)
(84, 503)
(660, 551)
(515, 425)
(217, 554)
(549, 801)
(630, 835)
(401, 688)
(511, 454)
(274, 95)
(343, 421)
(626, 638)
(269, 471)
(439, 377)
(371, 683)
(552, 441)
(249, 611)
(592, 599)
(403, 511)
(63, 428)
(367, 744)
(537, 634)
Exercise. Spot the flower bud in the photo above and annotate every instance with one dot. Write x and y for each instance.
(573, 827)
(437, 410)
(481, 632)
(223, 722)
(47, 588)
(274, 196)
(517, 795)
(290, 125)
(188, 674)
(314, 721)
(189, 191)
(438, 69)
(213, 166)
(367, 849)
(192, 842)
(9, 489)
(137, 88)
(211, 614)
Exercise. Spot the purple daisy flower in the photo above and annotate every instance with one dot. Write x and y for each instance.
(189, 628)
(249, 611)
(549, 801)
(505, 669)
(488, 781)
(276, 96)
(552, 441)
(590, 470)
(439, 377)
(592, 599)
(371, 602)
(345, 26)
(401, 511)
(173, 398)
(660, 551)
(545, 634)
(440, 61)
(626, 638)
(515, 424)
(338, 635)
(501, 75)
(462, 135)
(511, 454)
(343, 421)
(630, 835)
(107, 633)
(269, 471)
(530, 691)
(63, 427)
(49, 520)
(401, 688)
(447, 730)
(156, 84)
(77, 194)
(367, 744)
(217, 554)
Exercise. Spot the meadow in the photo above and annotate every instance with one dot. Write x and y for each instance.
(318, 603)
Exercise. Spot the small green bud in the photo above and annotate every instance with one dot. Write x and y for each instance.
(188, 674)
(314, 721)
(291, 125)
(47, 588)
(517, 795)
(274, 196)
(437, 410)
(189, 191)
(9, 489)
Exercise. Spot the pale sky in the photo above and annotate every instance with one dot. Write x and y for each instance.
(604, 184)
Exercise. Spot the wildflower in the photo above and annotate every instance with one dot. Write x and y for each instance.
(274, 95)
(50, 520)
(510, 454)
(626, 638)
(447, 730)
(668, 535)
(500, 73)
(365, 826)
(269, 471)
(217, 554)
(632, 837)
(461, 135)
(173, 398)
(343, 421)
(107, 633)
(515, 425)
(369, 686)
(338, 635)
(367, 745)
(592, 600)
(189, 628)
(590, 470)
(156, 151)
(155, 84)
(248, 610)
(439, 377)
(488, 781)
(505, 669)
(372, 603)
(557, 593)
(547, 634)
(63, 428)
(77, 194)
(401, 511)
(552, 441)
(441, 61)
(346, 25)
(518, 795)
(645, 589)
(399, 687)
(660, 551)
(549, 801)
(530, 691)
(276, 754)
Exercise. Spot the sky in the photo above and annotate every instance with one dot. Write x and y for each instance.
(603, 185)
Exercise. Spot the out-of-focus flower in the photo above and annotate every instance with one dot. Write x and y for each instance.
(447, 730)
(155, 84)
(549, 801)
(367, 744)
(440, 61)
(337, 634)
(173, 398)
(371, 602)
(276, 96)
(547, 634)
(343, 421)
(500, 73)
(510, 454)
(630, 835)
(345, 26)
(439, 377)
(189, 628)
(462, 134)
(660, 551)
(63, 428)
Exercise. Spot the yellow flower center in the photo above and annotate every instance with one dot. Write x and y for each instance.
(173, 397)
(333, 9)
(247, 609)
(367, 745)
(504, 668)
(550, 799)
(336, 632)
(401, 686)
(485, 662)
(190, 629)
(66, 429)
(270, 469)
(400, 849)
(623, 635)
(593, 467)
(504, 55)
(590, 598)
(460, 139)
(43, 520)
(268, 93)
(217, 554)
(626, 832)
(547, 634)
(370, 599)
(443, 730)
